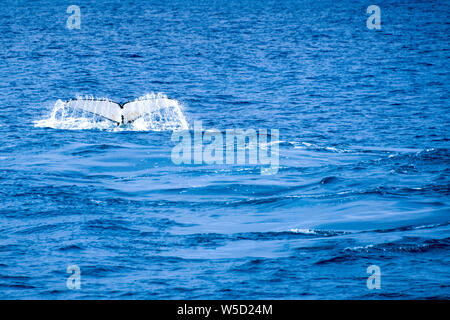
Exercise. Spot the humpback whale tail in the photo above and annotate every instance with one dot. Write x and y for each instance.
(121, 113)
(151, 112)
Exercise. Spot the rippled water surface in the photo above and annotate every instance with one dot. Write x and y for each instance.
(364, 173)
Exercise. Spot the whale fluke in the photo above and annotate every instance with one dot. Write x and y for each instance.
(107, 109)
(120, 114)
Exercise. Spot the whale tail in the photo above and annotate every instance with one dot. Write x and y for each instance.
(120, 114)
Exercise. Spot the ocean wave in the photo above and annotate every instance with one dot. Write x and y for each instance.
(413, 227)
(315, 147)
(320, 233)
(392, 151)
(408, 245)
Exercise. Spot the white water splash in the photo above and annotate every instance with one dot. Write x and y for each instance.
(303, 231)
(159, 114)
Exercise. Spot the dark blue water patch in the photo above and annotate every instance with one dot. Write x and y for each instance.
(70, 248)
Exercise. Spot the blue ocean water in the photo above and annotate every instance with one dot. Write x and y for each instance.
(364, 172)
